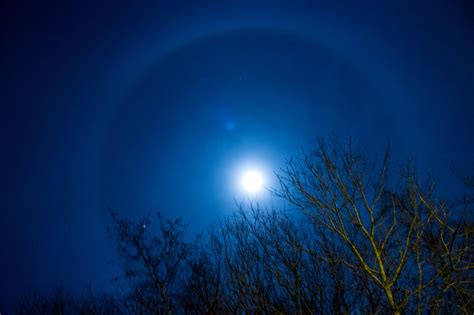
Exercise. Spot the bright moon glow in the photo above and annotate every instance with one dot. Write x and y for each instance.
(252, 181)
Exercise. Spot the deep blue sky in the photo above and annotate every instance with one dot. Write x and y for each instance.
(157, 106)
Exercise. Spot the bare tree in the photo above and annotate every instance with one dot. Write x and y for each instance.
(271, 263)
(381, 219)
(154, 264)
(60, 302)
(366, 237)
(98, 303)
(204, 289)
(447, 253)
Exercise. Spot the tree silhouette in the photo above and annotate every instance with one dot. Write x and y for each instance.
(357, 234)
(385, 223)
(153, 264)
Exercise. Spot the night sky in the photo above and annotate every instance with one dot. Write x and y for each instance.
(159, 106)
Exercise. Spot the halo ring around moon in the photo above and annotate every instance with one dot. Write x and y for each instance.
(168, 53)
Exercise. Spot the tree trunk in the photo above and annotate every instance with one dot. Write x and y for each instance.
(391, 301)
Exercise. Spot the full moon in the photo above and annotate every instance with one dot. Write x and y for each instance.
(252, 181)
